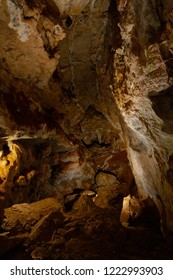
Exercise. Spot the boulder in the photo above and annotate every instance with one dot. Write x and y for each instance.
(22, 217)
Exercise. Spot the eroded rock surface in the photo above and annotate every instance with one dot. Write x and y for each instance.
(143, 89)
(85, 232)
(85, 88)
(52, 126)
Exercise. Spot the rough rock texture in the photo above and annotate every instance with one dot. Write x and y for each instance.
(52, 127)
(44, 232)
(143, 93)
(86, 88)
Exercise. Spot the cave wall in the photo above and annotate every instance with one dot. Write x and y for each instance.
(81, 83)
(59, 127)
(143, 92)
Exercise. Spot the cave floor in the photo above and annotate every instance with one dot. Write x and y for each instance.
(84, 232)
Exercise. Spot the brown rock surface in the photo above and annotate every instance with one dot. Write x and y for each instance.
(109, 191)
(56, 129)
(85, 232)
(85, 118)
(22, 217)
(143, 87)
(1, 214)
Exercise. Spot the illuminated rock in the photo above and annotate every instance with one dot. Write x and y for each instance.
(86, 107)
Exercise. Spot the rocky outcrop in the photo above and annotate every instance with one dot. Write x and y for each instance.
(36, 221)
(143, 90)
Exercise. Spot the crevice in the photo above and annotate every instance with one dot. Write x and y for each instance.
(95, 143)
(163, 106)
(105, 172)
(68, 21)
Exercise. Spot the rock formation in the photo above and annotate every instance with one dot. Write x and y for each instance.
(143, 90)
(85, 117)
(53, 136)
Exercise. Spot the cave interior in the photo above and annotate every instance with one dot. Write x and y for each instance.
(86, 129)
